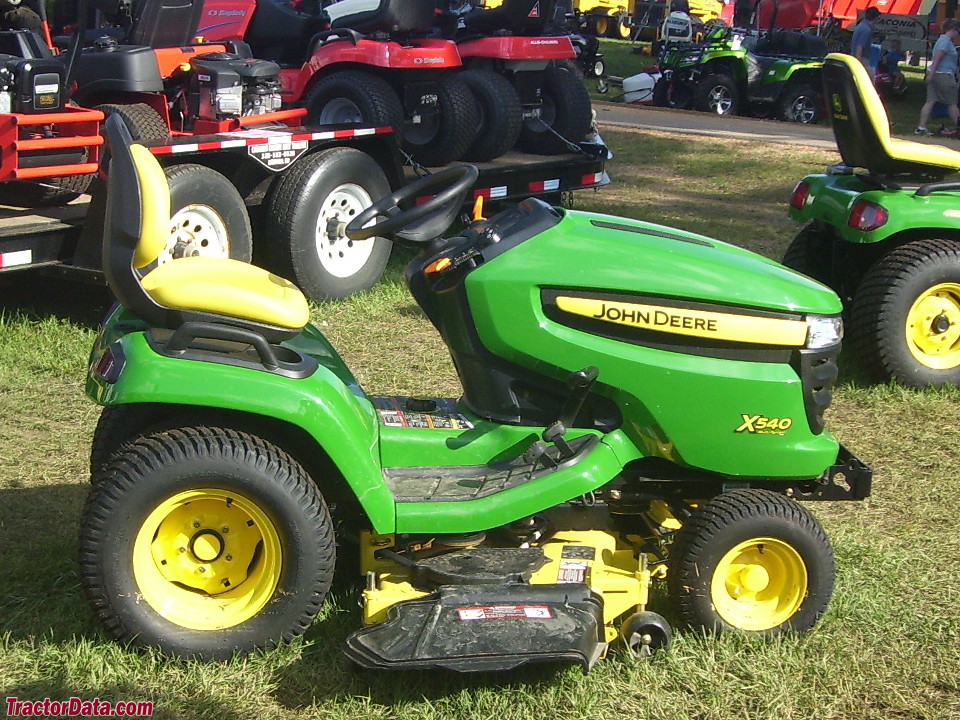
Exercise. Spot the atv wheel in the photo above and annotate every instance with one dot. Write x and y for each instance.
(311, 202)
(717, 93)
(809, 253)
(205, 542)
(499, 114)
(802, 104)
(356, 98)
(208, 218)
(564, 115)
(751, 560)
(644, 633)
(905, 321)
(445, 137)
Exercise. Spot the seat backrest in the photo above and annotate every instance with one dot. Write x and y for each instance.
(392, 16)
(164, 23)
(137, 218)
(521, 17)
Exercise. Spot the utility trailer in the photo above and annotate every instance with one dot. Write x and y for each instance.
(295, 187)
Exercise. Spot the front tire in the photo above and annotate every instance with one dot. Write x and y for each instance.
(809, 253)
(205, 542)
(801, 104)
(208, 218)
(717, 93)
(564, 115)
(500, 118)
(752, 561)
(315, 195)
(905, 321)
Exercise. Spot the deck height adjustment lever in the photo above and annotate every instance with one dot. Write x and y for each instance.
(579, 384)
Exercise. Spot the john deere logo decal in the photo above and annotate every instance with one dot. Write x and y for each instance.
(837, 104)
(695, 323)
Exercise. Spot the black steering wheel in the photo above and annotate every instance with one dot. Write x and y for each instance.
(420, 223)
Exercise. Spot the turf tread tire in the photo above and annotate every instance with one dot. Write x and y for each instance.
(127, 474)
(876, 328)
(572, 115)
(501, 114)
(374, 97)
(704, 532)
(459, 118)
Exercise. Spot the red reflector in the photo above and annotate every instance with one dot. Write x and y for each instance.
(800, 193)
(109, 365)
(867, 215)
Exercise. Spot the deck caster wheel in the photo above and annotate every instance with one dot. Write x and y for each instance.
(644, 633)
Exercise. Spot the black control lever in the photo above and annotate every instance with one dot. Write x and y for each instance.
(579, 384)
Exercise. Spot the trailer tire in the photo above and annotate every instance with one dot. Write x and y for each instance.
(565, 112)
(207, 216)
(355, 97)
(439, 144)
(752, 561)
(801, 103)
(500, 114)
(257, 564)
(333, 184)
(905, 320)
(717, 93)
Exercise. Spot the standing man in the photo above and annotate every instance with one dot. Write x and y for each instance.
(862, 42)
(941, 76)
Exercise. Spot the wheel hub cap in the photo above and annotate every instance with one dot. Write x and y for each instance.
(207, 559)
(339, 255)
(933, 327)
(759, 584)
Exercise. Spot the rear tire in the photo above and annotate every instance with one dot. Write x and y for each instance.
(357, 98)
(752, 561)
(801, 103)
(207, 216)
(205, 542)
(446, 140)
(905, 321)
(565, 111)
(500, 114)
(717, 93)
(333, 184)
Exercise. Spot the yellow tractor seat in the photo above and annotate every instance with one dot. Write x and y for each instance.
(862, 129)
(195, 289)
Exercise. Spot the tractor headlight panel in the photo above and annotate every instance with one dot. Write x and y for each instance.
(823, 331)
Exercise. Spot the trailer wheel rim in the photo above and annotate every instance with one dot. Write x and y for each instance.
(340, 110)
(196, 230)
(339, 255)
(759, 584)
(933, 327)
(207, 559)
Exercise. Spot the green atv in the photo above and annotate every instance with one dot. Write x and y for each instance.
(646, 405)
(883, 230)
(743, 71)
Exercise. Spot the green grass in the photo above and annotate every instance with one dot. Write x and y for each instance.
(889, 646)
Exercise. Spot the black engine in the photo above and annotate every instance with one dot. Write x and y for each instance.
(224, 85)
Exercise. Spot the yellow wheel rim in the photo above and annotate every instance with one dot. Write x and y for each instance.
(602, 25)
(933, 327)
(623, 31)
(207, 559)
(759, 584)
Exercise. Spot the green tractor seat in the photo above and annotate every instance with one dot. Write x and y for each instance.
(226, 293)
(862, 130)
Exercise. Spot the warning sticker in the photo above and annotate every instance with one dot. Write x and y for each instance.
(439, 414)
(505, 612)
(572, 571)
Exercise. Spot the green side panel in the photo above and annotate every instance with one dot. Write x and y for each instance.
(598, 467)
(831, 199)
(685, 407)
(342, 422)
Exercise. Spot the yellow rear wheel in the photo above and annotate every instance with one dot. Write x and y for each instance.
(205, 541)
(753, 561)
(933, 327)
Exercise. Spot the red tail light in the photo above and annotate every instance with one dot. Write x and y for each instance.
(800, 193)
(110, 364)
(867, 215)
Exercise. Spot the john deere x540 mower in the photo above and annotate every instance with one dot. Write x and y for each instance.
(645, 405)
(881, 228)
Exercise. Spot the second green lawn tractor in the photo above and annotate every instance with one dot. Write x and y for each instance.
(639, 404)
(882, 229)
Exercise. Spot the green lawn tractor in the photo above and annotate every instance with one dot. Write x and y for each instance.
(742, 71)
(882, 229)
(639, 403)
